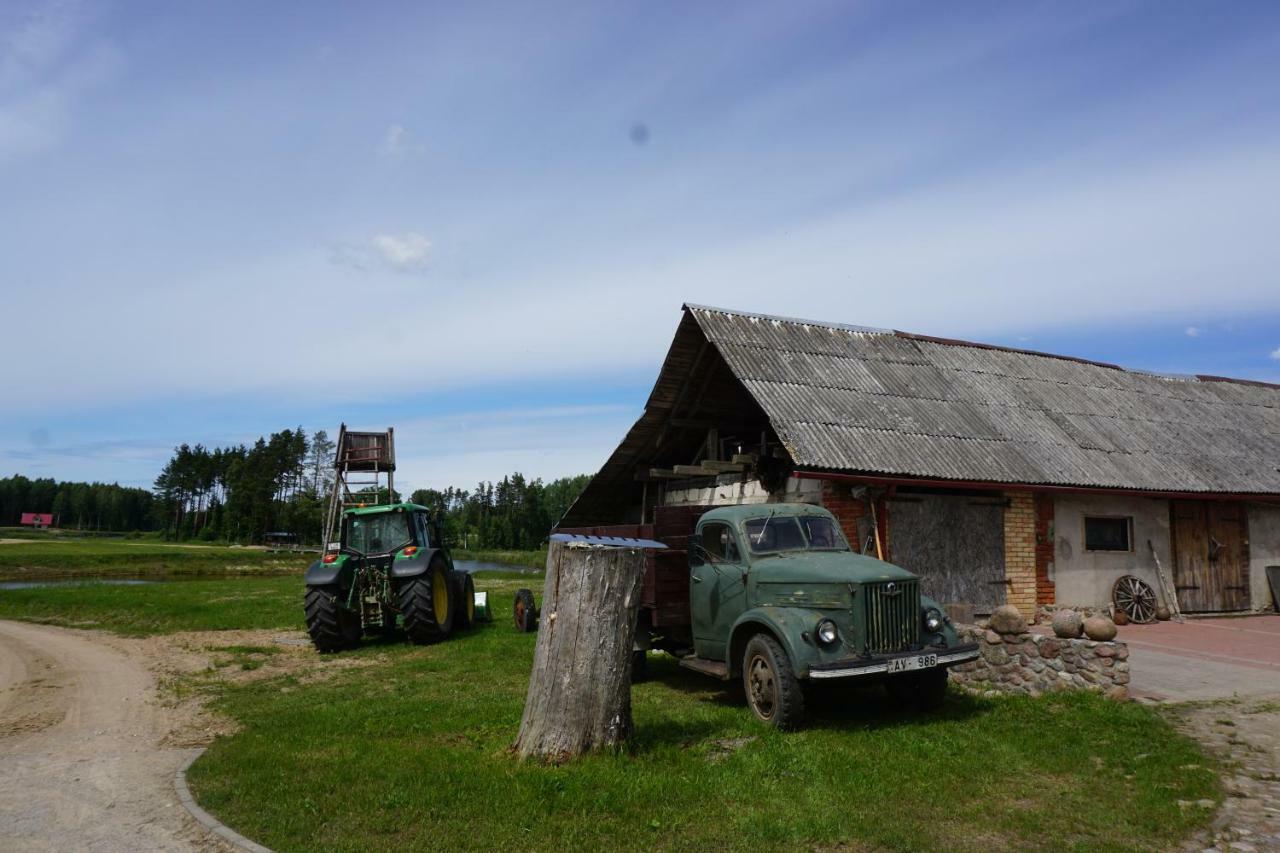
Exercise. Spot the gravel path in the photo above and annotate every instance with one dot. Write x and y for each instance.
(82, 765)
(1246, 734)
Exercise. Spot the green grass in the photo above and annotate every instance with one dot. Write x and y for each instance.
(240, 603)
(53, 558)
(162, 608)
(411, 751)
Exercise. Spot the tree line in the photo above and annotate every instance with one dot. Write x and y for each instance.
(78, 506)
(282, 483)
(512, 514)
(241, 493)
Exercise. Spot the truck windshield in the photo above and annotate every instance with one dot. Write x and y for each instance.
(377, 534)
(792, 533)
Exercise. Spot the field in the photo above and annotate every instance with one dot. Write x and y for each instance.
(69, 558)
(394, 745)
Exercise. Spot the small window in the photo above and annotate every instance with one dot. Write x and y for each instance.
(718, 540)
(1108, 533)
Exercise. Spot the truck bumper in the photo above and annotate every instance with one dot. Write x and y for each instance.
(879, 664)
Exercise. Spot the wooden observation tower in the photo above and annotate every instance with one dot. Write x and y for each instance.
(362, 462)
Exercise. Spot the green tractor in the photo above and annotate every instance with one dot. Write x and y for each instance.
(390, 564)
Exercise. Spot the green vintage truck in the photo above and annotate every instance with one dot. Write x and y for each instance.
(777, 598)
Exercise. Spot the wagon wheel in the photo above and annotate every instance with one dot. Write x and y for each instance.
(1136, 598)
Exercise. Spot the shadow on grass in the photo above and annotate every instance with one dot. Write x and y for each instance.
(828, 706)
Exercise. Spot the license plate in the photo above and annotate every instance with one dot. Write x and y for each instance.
(907, 664)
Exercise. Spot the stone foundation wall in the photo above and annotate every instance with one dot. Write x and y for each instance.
(1033, 664)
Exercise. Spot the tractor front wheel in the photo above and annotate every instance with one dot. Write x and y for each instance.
(427, 604)
(331, 625)
(466, 615)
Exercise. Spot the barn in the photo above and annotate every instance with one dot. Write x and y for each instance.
(998, 475)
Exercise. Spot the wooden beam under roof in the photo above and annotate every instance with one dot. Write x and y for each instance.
(663, 474)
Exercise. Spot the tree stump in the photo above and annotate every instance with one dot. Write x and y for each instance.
(579, 697)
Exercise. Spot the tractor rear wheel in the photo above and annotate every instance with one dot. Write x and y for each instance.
(428, 603)
(331, 625)
(466, 615)
(526, 614)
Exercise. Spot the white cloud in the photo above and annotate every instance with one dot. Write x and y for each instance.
(1193, 331)
(398, 141)
(394, 141)
(407, 252)
(403, 252)
(1275, 353)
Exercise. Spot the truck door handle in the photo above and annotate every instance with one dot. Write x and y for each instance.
(695, 578)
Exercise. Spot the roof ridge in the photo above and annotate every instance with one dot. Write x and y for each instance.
(846, 327)
(960, 342)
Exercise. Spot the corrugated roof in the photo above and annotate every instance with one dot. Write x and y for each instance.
(874, 401)
(888, 403)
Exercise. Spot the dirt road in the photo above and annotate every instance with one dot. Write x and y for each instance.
(82, 765)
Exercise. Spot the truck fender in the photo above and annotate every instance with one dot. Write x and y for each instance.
(338, 572)
(948, 630)
(785, 624)
(403, 568)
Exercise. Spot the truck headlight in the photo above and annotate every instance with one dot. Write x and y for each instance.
(826, 632)
(933, 620)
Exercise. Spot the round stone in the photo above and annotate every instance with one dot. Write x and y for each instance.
(1099, 628)
(1007, 619)
(1163, 614)
(1067, 624)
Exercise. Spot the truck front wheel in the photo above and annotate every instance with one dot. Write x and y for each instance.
(772, 689)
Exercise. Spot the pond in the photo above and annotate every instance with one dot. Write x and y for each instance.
(37, 584)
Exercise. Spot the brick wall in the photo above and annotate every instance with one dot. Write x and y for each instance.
(1020, 551)
(838, 499)
(1045, 592)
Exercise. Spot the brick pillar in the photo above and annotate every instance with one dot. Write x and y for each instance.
(1045, 592)
(1020, 552)
(839, 501)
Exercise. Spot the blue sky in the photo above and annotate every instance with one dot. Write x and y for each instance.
(477, 222)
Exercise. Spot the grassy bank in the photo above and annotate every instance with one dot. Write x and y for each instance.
(411, 752)
(162, 608)
(53, 558)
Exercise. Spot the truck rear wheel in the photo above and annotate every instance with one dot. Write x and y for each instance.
(331, 625)
(924, 691)
(526, 614)
(465, 616)
(773, 691)
(428, 603)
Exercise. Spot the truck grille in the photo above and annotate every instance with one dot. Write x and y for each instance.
(893, 615)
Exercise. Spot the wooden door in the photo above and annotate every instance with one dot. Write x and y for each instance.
(1210, 555)
(955, 543)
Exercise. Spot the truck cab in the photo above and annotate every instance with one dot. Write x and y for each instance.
(778, 598)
